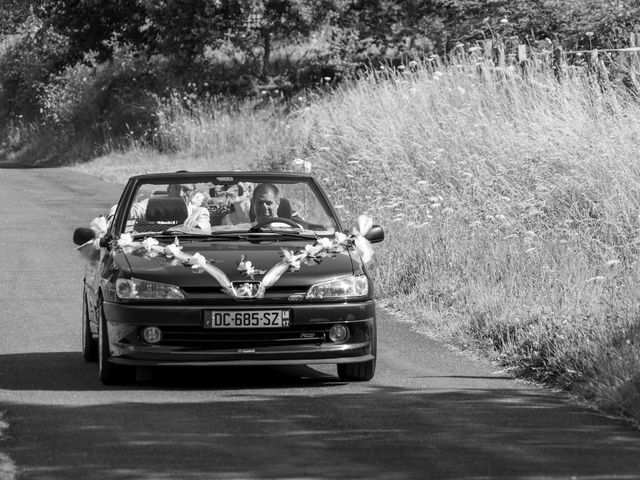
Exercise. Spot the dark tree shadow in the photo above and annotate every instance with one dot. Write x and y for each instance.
(268, 423)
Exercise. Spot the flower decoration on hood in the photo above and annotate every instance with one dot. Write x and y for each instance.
(291, 260)
(149, 245)
(246, 267)
(196, 261)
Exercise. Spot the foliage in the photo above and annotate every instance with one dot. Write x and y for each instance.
(106, 101)
(25, 67)
(15, 12)
(268, 50)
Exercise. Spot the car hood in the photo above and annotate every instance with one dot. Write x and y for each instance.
(226, 256)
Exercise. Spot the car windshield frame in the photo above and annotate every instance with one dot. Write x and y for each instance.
(131, 190)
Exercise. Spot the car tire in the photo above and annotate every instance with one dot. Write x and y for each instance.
(357, 372)
(89, 344)
(109, 373)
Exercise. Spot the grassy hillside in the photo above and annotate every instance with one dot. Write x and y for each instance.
(511, 204)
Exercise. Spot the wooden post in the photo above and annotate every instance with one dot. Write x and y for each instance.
(556, 64)
(522, 53)
(488, 49)
(634, 63)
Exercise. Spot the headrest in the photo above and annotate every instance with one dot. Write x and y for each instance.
(166, 209)
(284, 210)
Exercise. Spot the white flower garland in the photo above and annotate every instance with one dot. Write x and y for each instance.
(291, 261)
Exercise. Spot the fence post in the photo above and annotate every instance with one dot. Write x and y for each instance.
(556, 63)
(633, 56)
(488, 49)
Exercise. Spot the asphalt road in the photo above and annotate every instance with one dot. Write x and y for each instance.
(428, 413)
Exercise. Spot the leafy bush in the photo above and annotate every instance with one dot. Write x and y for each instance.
(109, 100)
(25, 66)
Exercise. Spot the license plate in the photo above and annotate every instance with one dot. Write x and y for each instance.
(246, 318)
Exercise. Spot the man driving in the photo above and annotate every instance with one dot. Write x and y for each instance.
(263, 204)
(266, 200)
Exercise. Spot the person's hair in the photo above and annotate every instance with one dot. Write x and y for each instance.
(265, 188)
(190, 186)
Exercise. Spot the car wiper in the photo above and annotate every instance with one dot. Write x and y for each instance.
(283, 233)
(153, 234)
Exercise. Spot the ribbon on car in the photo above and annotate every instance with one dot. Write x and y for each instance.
(363, 246)
(291, 260)
(197, 261)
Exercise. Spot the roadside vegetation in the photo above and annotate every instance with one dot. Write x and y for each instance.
(510, 199)
(510, 204)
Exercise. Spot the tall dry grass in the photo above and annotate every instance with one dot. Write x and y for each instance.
(513, 212)
(512, 207)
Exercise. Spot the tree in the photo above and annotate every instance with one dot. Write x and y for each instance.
(265, 21)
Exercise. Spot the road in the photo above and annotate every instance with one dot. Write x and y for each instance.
(428, 413)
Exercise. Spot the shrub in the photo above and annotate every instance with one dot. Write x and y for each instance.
(110, 100)
(25, 66)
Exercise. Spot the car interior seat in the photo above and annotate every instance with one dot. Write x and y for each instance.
(162, 211)
(166, 209)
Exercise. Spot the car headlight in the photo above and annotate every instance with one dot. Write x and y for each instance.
(353, 286)
(134, 289)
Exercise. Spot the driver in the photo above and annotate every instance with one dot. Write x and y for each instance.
(264, 203)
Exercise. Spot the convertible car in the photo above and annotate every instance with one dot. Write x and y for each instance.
(227, 268)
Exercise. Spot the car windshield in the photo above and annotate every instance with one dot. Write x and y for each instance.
(229, 205)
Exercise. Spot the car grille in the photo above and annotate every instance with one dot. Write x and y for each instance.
(199, 337)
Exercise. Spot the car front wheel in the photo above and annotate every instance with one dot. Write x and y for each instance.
(110, 374)
(89, 344)
(357, 372)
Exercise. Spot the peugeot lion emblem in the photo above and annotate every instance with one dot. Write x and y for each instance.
(246, 289)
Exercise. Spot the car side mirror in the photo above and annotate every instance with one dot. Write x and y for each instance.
(375, 234)
(82, 235)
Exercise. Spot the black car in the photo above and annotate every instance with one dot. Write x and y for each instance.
(227, 268)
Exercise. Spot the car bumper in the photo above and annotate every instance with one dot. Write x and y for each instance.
(187, 342)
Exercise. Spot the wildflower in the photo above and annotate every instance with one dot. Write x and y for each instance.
(503, 21)
(304, 165)
(596, 279)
